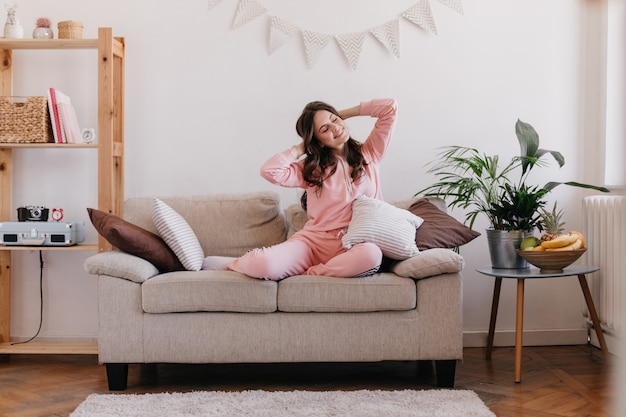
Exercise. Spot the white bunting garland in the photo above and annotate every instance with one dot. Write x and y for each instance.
(422, 16)
(389, 35)
(280, 32)
(247, 11)
(313, 44)
(213, 3)
(351, 44)
(454, 5)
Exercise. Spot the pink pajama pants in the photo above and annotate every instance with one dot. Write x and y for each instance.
(309, 253)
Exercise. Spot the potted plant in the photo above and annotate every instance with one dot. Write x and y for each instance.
(42, 29)
(474, 181)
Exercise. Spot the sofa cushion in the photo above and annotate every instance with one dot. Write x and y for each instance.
(189, 291)
(122, 265)
(439, 230)
(178, 235)
(429, 263)
(378, 292)
(225, 224)
(135, 240)
(296, 218)
(392, 229)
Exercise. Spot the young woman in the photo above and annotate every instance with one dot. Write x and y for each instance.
(333, 169)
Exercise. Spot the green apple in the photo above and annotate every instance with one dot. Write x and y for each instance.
(529, 243)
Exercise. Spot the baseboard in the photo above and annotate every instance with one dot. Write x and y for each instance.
(613, 343)
(55, 339)
(531, 338)
(470, 338)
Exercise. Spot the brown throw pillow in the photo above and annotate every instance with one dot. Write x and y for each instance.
(135, 240)
(439, 229)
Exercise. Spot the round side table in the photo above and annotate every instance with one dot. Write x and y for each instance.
(521, 275)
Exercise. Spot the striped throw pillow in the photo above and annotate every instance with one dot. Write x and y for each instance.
(392, 229)
(178, 235)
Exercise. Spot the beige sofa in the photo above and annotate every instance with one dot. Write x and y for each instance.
(413, 312)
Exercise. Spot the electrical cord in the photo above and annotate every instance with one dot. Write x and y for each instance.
(40, 300)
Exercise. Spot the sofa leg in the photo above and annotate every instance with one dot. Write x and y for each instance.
(445, 370)
(117, 374)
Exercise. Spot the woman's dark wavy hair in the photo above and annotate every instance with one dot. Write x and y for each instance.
(320, 162)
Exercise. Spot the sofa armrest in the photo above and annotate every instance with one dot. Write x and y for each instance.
(429, 263)
(121, 265)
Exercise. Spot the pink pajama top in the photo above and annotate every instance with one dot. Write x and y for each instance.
(332, 208)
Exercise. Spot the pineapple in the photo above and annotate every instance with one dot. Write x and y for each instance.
(551, 223)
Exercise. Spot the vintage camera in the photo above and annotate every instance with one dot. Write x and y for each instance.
(32, 214)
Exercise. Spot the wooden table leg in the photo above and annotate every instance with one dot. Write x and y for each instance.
(594, 315)
(519, 330)
(494, 313)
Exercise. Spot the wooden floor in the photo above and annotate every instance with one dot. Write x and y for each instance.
(556, 380)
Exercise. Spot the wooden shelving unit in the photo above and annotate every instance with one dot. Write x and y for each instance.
(110, 149)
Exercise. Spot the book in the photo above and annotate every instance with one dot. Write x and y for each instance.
(67, 116)
(69, 121)
(54, 116)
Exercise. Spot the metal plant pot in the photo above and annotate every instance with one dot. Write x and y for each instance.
(502, 248)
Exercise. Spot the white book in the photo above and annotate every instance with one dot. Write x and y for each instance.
(67, 116)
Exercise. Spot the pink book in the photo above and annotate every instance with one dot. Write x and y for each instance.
(57, 130)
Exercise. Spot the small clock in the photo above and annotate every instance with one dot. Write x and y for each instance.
(89, 135)
(57, 214)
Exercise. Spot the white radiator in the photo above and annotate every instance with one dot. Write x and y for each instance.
(604, 227)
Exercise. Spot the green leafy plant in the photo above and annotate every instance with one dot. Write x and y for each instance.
(474, 181)
(518, 207)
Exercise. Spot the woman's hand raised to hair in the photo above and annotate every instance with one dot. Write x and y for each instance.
(298, 149)
(350, 112)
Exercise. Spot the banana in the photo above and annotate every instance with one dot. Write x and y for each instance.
(560, 241)
(580, 236)
(538, 248)
(576, 245)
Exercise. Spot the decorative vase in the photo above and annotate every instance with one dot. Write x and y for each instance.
(43, 33)
(12, 27)
(502, 248)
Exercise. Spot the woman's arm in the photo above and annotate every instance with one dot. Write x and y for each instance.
(384, 110)
(298, 150)
(350, 112)
(284, 168)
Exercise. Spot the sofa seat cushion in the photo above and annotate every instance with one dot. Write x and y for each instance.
(378, 292)
(190, 291)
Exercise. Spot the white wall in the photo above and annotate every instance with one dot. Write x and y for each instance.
(206, 105)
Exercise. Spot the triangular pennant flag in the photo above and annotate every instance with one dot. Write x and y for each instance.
(247, 11)
(389, 35)
(422, 15)
(213, 3)
(313, 44)
(280, 32)
(454, 5)
(351, 44)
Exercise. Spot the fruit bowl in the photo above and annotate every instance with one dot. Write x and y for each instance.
(551, 261)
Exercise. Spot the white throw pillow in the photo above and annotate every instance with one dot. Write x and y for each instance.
(178, 235)
(391, 228)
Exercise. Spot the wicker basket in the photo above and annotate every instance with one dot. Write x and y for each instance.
(25, 120)
(69, 29)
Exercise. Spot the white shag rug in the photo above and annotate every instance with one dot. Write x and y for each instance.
(364, 403)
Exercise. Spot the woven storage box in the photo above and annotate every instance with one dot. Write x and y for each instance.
(25, 120)
(69, 29)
